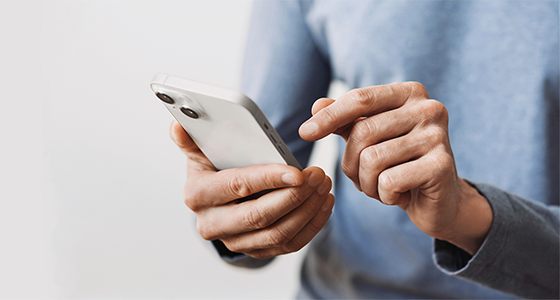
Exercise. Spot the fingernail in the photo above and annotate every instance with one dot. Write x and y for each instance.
(308, 128)
(314, 179)
(324, 187)
(327, 204)
(289, 179)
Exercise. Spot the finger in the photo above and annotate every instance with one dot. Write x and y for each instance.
(320, 104)
(196, 159)
(324, 102)
(429, 174)
(226, 220)
(375, 159)
(279, 234)
(210, 189)
(371, 131)
(182, 138)
(358, 103)
(312, 228)
(304, 236)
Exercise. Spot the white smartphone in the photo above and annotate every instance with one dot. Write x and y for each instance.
(227, 126)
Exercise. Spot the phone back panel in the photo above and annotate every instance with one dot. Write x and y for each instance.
(230, 130)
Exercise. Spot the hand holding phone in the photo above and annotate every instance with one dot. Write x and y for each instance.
(281, 221)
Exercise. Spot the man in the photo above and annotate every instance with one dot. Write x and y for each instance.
(494, 68)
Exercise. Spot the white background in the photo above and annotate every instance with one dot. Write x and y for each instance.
(91, 184)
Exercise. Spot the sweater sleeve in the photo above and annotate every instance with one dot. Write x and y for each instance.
(520, 254)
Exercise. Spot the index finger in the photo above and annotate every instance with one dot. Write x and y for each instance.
(198, 160)
(182, 138)
(357, 103)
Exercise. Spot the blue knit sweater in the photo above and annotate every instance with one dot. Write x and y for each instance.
(495, 66)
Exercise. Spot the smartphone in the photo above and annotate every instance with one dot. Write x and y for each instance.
(228, 127)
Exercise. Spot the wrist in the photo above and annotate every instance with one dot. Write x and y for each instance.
(473, 220)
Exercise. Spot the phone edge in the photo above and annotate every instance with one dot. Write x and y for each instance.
(236, 97)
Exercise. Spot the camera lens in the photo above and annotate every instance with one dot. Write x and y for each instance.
(189, 112)
(165, 98)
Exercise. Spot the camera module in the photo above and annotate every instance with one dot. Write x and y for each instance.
(189, 112)
(165, 98)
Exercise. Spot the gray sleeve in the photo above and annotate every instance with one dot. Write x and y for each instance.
(520, 255)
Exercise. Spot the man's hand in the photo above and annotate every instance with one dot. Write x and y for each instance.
(398, 151)
(281, 221)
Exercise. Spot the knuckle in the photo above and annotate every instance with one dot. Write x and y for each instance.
(443, 163)
(276, 236)
(238, 186)
(370, 161)
(252, 219)
(371, 157)
(205, 230)
(256, 218)
(189, 202)
(296, 196)
(362, 130)
(360, 96)
(434, 111)
(439, 111)
(193, 198)
(435, 136)
(440, 135)
(418, 90)
(386, 182)
(267, 180)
